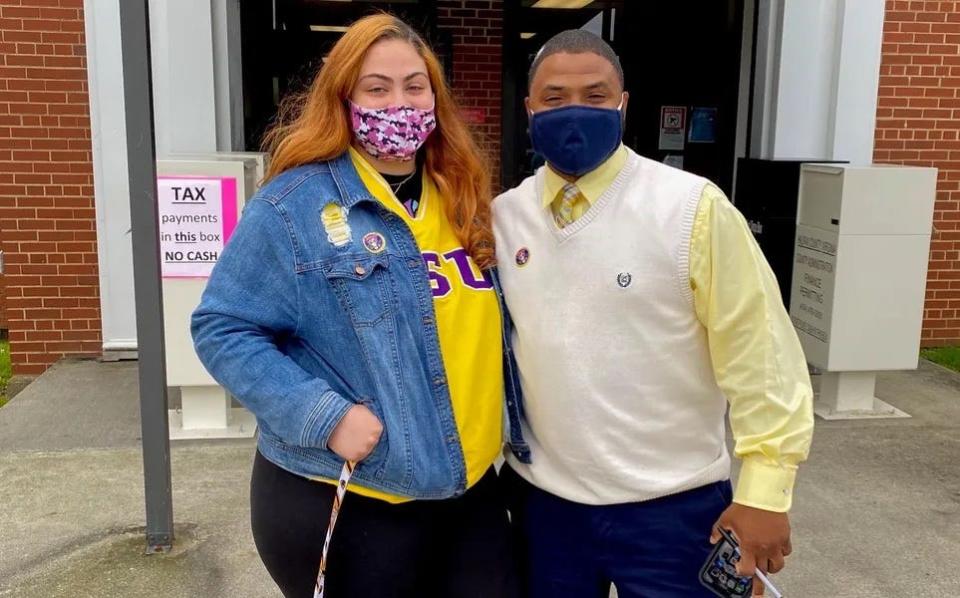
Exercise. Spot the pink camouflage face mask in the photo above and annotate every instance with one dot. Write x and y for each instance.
(394, 133)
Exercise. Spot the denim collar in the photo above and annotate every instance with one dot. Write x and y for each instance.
(352, 190)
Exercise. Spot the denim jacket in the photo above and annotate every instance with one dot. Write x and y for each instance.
(299, 321)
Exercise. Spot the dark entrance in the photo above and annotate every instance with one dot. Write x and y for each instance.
(682, 53)
(284, 41)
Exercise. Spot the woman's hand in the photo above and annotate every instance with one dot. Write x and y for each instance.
(356, 435)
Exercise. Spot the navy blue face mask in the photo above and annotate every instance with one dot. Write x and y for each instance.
(576, 139)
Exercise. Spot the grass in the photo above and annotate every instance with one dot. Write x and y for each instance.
(948, 357)
(4, 370)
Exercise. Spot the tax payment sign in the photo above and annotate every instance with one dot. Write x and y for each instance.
(197, 216)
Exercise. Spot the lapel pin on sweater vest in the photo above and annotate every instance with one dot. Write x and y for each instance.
(523, 256)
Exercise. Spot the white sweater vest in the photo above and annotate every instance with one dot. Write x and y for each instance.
(621, 402)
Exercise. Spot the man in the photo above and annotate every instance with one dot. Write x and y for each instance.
(641, 306)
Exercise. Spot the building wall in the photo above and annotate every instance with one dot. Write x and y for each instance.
(918, 121)
(477, 30)
(47, 221)
(3, 302)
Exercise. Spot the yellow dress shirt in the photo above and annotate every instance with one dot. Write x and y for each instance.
(757, 358)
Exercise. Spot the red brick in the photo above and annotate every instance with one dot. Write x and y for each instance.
(43, 156)
(907, 92)
(63, 14)
(60, 37)
(19, 12)
(939, 92)
(63, 85)
(945, 28)
(900, 16)
(927, 80)
(950, 49)
(896, 59)
(901, 38)
(47, 97)
(931, 17)
(78, 61)
(24, 60)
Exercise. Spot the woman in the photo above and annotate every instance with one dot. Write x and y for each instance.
(351, 313)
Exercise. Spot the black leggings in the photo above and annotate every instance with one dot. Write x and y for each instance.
(455, 548)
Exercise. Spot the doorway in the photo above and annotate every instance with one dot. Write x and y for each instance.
(679, 57)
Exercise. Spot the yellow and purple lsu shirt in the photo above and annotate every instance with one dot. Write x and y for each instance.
(468, 324)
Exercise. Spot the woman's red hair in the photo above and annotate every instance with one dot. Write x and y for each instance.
(315, 127)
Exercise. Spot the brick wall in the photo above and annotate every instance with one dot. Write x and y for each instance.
(477, 29)
(918, 120)
(3, 302)
(47, 221)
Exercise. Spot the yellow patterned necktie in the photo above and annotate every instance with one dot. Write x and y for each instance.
(568, 197)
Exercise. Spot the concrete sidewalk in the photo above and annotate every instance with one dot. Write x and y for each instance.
(877, 509)
(71, 490)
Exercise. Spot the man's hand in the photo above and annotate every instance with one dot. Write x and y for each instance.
(764, 538)
(356, 435)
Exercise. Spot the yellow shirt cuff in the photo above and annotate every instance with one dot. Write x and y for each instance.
(765, 485)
